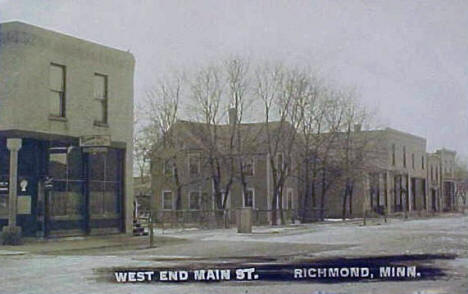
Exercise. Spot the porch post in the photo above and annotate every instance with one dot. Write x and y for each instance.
(410, 193)
(388, 193)
(13, 145)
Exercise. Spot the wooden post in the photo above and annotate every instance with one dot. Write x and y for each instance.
(151, 233)
(366, 198)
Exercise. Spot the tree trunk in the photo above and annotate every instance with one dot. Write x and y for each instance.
(274, 216)
(322, 196)
(345, 197)
(280, 200)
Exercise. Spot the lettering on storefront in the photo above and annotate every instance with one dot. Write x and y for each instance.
(4, 187)
(95, 141)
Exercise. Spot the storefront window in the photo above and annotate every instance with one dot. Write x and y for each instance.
(4, 174)
(65, 167)
(105, 183)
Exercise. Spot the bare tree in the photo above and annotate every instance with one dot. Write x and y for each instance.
(283, 92)
(358, 151)
(161, 113)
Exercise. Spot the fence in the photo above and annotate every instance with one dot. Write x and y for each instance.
(210, 219)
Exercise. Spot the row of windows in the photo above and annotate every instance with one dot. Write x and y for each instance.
(194, 167)
(58, 95)
(446, 169)
(413, 158)
(195, 199)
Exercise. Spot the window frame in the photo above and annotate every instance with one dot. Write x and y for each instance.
(253, 198)
(252, 161)
(62, 93)
(162, 199)
(190, 200)
(197, 156)
(289, 191)
(104, 101)
(404, 156)
(278, 167)
(168, 171)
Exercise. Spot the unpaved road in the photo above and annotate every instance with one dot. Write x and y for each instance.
(77, 271)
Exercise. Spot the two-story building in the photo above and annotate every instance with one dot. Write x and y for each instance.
(389, 177)
(66, 127)
(441, 175)
(182, 172)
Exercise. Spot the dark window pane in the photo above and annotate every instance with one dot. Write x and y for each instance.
(75, 163)
(66, 199)
(4, 158)
(194, 200)
(167, 200)
(111, 197)
(58, 164)
(96, 166)
(112, 165)
(96, 196)
(248, 201)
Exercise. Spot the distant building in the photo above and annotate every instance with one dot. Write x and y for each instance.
(390, 177)
(194, 184)
(443, 176)
(66, 127)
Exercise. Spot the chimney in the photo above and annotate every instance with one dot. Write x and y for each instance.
(232, 116)
(357, 127)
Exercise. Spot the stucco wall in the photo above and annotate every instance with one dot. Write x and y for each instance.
(26, 53)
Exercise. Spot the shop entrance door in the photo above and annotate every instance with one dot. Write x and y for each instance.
(65, 200)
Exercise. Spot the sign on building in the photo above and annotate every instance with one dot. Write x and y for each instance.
(4, 187)
(95, 141)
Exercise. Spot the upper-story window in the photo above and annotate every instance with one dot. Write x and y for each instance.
(422, 162)
(194, 164)
(168, 167)
(404, 156)
(100, 94)
(279, 161)
(412, 160)
(393, 154)
(432, 173)
(249, 167)
(57, 90)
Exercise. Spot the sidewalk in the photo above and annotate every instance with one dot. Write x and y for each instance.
(74, 245)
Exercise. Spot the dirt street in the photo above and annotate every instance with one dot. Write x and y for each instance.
(75, 269)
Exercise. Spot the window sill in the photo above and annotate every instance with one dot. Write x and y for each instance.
(100, 124)
(57, 118)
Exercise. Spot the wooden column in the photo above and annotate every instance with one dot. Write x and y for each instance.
(14, 145)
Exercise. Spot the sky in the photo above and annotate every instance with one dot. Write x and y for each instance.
(408, 59)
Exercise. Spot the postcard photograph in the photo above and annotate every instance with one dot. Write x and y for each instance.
(218, 146)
